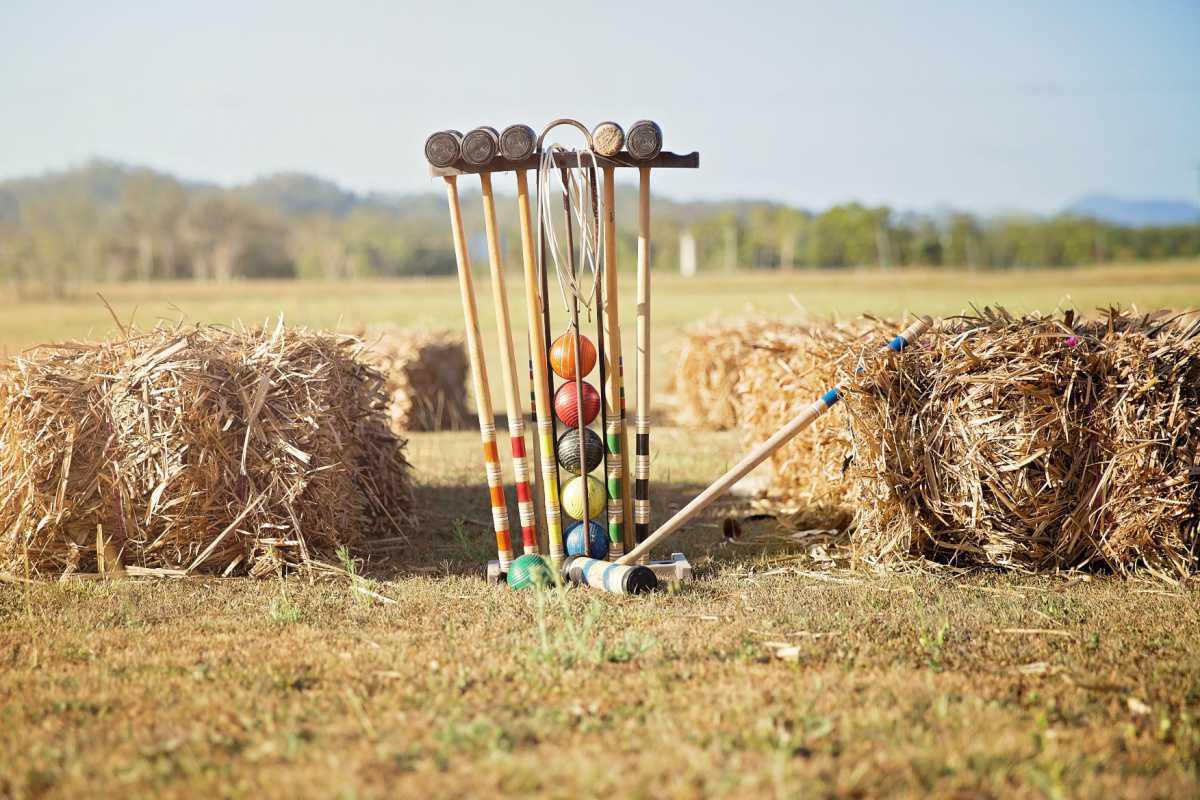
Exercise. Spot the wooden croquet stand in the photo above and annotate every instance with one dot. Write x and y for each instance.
(676, 569)
(485, 151)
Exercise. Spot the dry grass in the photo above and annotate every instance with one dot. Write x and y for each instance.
(758, 679)
(196, 449)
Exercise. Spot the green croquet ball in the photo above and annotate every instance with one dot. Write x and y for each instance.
(529, 570)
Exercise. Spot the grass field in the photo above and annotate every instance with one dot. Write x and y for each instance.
(774, 674)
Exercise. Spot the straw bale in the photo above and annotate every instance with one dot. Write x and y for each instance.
(1039, 443)
(783, 369)
(198, 449)
(708, 363)
(1149, 493)
(426, 374)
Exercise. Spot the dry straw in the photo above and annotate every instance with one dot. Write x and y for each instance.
(426, 373)
(1039, 443)
(708, 363)
(784, 367)
(196, 449)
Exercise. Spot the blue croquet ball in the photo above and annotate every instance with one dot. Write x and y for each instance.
(597, 544)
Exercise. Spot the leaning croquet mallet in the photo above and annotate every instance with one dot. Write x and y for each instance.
(763, 451)
(541, 388)
(508, 366)
(483, 398)
(610, 576)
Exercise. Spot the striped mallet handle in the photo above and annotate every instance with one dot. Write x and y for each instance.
(539, 378)
(479, 379)
(508, 367)
(762, 452)
(614, 424)
(609, 575)
(641, 463)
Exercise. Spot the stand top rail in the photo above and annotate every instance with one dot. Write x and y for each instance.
(571, 159)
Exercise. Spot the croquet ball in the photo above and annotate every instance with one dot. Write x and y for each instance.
(572, 497)
(529, 570)
(597, 540)
(568, 450)
(566, 404)
(562, 356)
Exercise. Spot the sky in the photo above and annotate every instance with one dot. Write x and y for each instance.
(918, 105)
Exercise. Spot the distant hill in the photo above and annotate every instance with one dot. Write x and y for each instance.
(1136, 212)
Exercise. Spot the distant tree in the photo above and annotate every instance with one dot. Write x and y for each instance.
(229, 239)
(151, 211)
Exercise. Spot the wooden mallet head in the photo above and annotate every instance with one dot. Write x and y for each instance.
(644, 140)
(480, 146)
(608, 138)
(517, 142)
(443, 148)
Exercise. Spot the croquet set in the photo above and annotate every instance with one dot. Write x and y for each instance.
(569, 254)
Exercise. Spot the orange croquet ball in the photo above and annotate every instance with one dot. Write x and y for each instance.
(562, 356)
(566, 404)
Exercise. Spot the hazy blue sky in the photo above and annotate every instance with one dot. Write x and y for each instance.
(916, 104)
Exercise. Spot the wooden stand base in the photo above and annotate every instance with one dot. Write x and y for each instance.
(677, 568)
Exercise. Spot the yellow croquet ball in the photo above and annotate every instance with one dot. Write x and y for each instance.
(572, 498)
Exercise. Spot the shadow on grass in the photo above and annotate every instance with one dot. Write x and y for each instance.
(455, 535)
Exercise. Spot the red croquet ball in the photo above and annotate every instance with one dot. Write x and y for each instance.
(562, 356)
(566, 404)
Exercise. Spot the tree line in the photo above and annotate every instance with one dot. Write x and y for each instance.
(106, 222)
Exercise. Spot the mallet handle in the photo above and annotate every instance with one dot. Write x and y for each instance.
(483, 397)
(541, 395)
(614, 433)
(761, 453)
(508, 372)
(641, 464)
